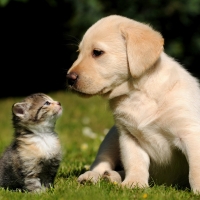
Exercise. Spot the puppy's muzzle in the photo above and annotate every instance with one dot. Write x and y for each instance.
(72, 78)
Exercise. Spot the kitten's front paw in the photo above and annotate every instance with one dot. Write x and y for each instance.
(33, 185)
(112, 176)
(89, 176)
(39, 190)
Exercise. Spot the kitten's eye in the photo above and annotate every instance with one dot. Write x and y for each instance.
(97, 52)
(47, 103)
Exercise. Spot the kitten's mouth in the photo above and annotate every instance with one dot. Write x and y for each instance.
(59, 111)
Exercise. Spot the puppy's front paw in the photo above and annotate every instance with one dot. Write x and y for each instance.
(89, 176)
(195, 188)
(131, 183)
(112, 176)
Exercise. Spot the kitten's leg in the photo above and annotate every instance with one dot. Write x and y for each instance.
(50, 172)
(107, 158)
(33, 185)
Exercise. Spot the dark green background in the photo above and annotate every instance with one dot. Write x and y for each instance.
(39, 38)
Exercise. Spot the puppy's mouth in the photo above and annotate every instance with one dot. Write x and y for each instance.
(103, 92)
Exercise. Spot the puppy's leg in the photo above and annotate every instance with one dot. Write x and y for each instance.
(135, 161)
(106, 160)
(192, 149)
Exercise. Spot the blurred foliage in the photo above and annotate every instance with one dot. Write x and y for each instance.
(177, 20)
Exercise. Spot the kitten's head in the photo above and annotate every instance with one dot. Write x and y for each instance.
(37, 112)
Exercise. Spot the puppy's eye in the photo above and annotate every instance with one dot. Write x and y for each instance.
(47, 103)
(97, 52)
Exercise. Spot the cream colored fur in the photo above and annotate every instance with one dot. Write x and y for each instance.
(154, 100)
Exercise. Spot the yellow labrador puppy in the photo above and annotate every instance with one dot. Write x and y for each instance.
(154, 100)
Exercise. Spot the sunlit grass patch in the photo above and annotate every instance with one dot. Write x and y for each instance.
(81, 129)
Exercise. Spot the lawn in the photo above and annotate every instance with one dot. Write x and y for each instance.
(81, 128)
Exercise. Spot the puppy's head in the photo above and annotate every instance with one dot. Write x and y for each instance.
(114, 49)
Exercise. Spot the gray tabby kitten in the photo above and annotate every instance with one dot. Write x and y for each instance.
(32, 160)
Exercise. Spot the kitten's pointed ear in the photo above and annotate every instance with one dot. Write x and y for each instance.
(19, 109)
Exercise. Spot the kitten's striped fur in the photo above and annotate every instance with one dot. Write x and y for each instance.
(33, 158)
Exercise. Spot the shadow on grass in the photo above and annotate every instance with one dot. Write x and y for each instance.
(66, 172)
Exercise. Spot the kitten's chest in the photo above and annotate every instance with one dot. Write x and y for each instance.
(48, 145)
(45, 146)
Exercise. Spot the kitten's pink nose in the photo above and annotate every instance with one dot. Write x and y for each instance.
(58, 103)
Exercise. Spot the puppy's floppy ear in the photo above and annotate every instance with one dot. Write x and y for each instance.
(144, 46)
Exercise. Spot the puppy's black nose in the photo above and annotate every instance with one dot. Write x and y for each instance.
(72, 78)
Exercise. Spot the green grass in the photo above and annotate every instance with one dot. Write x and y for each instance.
(79, 151)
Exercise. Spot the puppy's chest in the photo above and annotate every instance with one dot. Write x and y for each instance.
(137, 112)
(139, 117)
